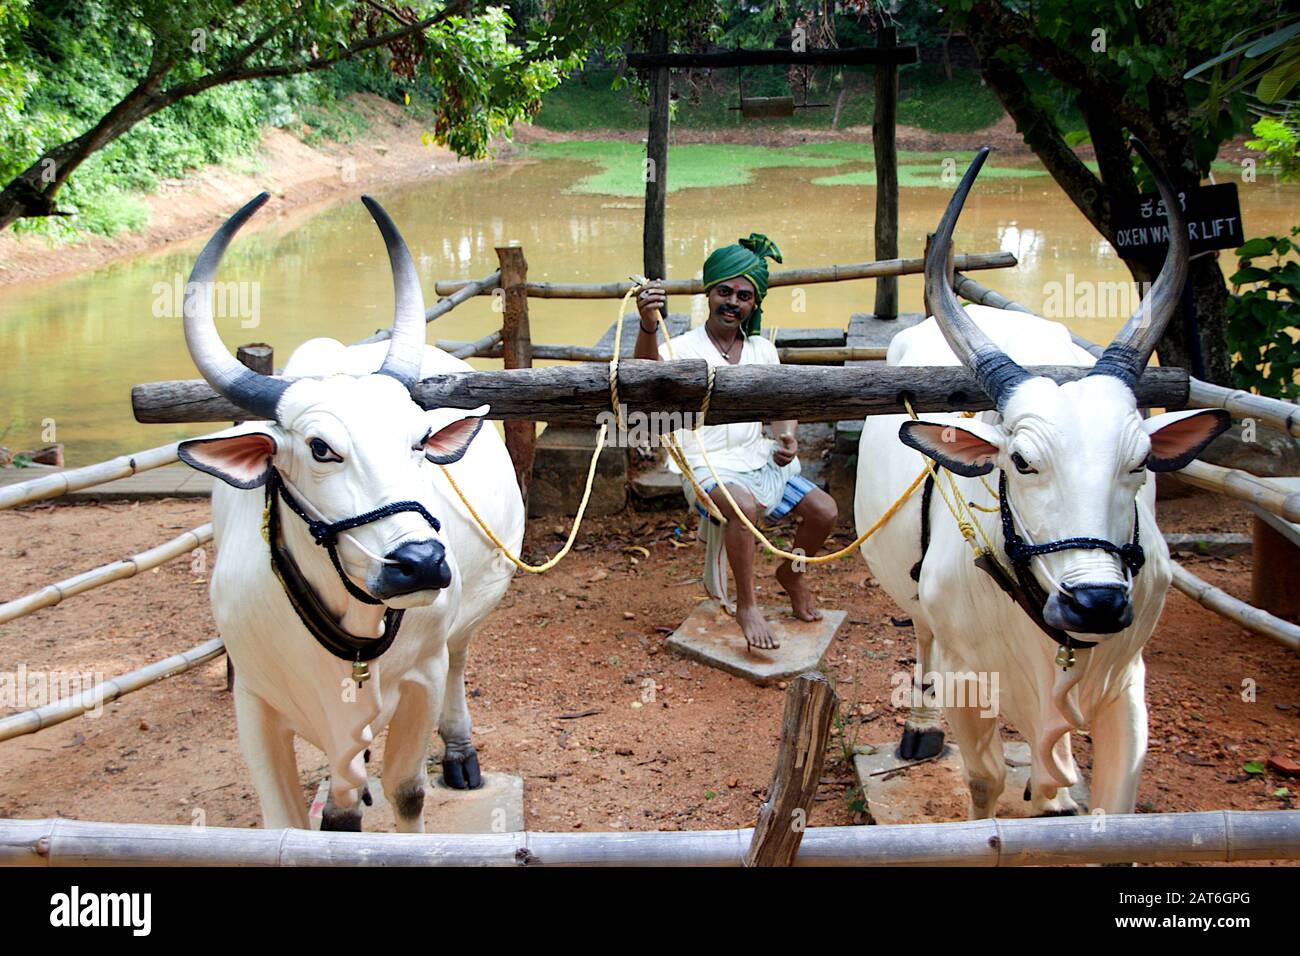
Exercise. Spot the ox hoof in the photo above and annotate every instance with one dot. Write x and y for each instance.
(1072, 812)
(460, 771)
(332, 818)
(919, 743)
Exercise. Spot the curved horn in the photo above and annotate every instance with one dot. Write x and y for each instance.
(997, 374)
(258, 393)
(406, 347)
(1129, 351)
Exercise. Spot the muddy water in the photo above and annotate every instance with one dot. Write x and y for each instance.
(73, 347)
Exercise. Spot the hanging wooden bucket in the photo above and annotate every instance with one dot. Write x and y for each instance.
(766, 107)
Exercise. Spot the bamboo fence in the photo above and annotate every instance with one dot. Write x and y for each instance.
(38, 718)
(1225, 605)
(52, 594)
(836, 273)
(1220, 836)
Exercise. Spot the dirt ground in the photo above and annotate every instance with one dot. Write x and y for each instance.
(556, 679)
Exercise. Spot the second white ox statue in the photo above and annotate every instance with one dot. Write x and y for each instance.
(349, 579)
(1063, 629)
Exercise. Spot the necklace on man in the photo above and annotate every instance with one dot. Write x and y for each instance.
(726, 353)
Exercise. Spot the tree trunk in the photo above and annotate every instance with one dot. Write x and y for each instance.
(1098, 199)
(31, 192)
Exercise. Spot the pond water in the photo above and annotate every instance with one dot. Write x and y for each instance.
(73, 347)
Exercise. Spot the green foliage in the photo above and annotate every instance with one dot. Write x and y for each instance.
(1107, 39)
(927, 99)
(65, 67)
(1280, 143)
(1263, 315)
(1264, 59)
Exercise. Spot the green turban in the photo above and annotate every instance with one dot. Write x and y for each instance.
(747, 259)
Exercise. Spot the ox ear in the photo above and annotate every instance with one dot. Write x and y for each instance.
(242, 460)
(450, 432)
(967, 450)
(1178, 437)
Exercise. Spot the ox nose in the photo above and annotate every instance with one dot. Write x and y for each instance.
(1099, 609)
(416, 566)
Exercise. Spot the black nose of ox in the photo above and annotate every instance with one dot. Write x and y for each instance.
(415, 566)
(1103, 609)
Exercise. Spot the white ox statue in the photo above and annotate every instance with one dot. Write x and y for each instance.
(1075, 464)
(360, 617)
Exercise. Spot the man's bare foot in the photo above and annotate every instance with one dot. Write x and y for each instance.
(795, 583)
(757, 633)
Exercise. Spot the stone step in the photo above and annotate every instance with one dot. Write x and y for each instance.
(933, 791)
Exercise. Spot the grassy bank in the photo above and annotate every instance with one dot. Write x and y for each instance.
(927, 99)
(707, 165)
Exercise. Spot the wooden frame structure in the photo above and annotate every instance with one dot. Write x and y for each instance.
(887, 56)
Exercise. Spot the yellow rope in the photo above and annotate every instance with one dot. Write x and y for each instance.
(591, 473)
(744, 519)
(678, 456)
(967, 524)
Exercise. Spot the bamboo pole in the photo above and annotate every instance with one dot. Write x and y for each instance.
(75, 479)
(1225, 605)
(590, 353)
(488, 344)
(52, 594)
(39, 718)
(1243, 486)
(968, 288)
(1274, 412)
(468, 291)
(579, 394)
(1217, 836)
(835, 273)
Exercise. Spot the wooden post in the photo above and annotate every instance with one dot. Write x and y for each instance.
(952, 271)
(886, 151)
(656, 172)
(260, 357)
(517, 352)
(810, 706)
(1275, 573)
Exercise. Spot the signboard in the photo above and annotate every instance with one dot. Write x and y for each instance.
(1213, 222)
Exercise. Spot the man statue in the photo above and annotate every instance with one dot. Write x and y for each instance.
(761, 474)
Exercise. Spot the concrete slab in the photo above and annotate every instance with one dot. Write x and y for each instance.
(711, 636)
(560, 466)
(496, 807)
(808, 338)
(933, 791)
(1208, 543)
(867, 330)
(169, 481)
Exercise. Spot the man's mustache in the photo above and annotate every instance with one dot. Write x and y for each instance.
(729, 310)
